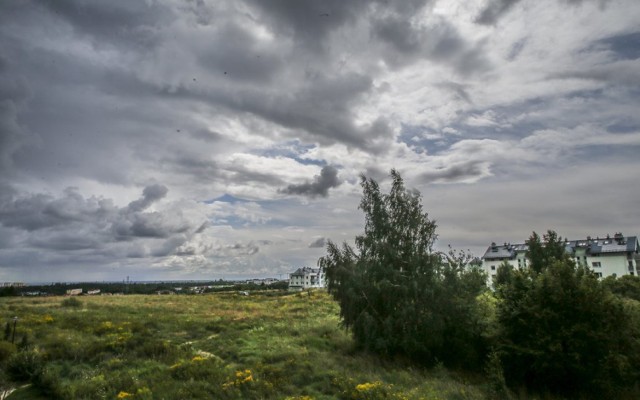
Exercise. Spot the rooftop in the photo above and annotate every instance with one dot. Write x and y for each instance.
(616, 244)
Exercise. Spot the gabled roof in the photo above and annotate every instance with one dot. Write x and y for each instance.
(495, 252)
(609, 245)
(306, 270)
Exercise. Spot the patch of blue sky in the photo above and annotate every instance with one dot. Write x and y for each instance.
(238, 222)
(293, 149)
(227, 198)
(270, 207)
(625, 47)
(424, 140)
(624, 126)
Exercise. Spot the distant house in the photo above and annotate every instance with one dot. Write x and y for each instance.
(617, 255)
(74, 292)
(265, 281)
(93, 292)
(12, 284)
(305, 278)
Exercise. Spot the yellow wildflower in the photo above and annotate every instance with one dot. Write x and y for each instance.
(367, 386)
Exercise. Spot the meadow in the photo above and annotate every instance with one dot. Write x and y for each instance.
(268, 345)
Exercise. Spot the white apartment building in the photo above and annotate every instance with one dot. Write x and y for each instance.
(305, 278)
(607, 256)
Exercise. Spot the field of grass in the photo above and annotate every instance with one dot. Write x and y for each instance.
(267, 345)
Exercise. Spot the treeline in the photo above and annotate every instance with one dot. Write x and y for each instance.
(59, 289)
(553, 328)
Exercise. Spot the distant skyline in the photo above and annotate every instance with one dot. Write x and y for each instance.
(207, 139)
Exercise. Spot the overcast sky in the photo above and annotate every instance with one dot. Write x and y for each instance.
(178, 139)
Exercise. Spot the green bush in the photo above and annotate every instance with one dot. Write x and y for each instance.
(6, 351)
(72, 302)
(562, 331)
(25, 365)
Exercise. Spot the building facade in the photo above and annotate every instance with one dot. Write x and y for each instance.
(305, 278)
(617, 255)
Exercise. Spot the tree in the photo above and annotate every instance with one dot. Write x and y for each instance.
(542, 254)
(625, 286)
(561, 330)
(397, 295)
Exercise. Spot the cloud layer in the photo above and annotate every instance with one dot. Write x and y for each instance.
(172, 139)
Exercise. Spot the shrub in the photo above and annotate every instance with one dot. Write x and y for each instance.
(6, 351)
(561, 330)
(72, 302)
(25, 365)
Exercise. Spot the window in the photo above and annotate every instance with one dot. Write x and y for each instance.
(493, 267)
(599, 274)
(596, 264)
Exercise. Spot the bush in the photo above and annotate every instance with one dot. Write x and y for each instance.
(562, 331)
(6, 351)
(25, 365)
(72, 302)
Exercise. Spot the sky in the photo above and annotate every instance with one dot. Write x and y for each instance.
(175, 139)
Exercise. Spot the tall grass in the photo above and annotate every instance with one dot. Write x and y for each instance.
(221, 345)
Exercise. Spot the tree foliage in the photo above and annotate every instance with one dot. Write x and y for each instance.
(396, 294)
(627, 286)
(561, 330)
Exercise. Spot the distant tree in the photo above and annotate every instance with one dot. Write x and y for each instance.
(504, 275)
(542, 253)
(561, 330)
(625, 286)
(398, 296)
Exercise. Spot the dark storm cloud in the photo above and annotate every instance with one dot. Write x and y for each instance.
(623, 73)
(150, 194)
(148, 225)
(119, 22)
(439, 42)
(309, 22)
(460, 90)
(323, 108)
(14, 92)
(319, 186)
(318, 243)
(235, 53)
(494, 10)
(455, 173)
(72, 222)
(42, 211)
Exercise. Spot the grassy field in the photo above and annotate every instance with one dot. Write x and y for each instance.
(267, 345)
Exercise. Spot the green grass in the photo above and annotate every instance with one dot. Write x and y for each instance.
(209, 346)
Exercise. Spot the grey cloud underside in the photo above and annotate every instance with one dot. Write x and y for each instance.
(320, 185)
(73, 222)
(456, 172)
(207, 97)
(318, 243)
(494, 10)
(231, 73)
(407, 43)
(119, 22)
